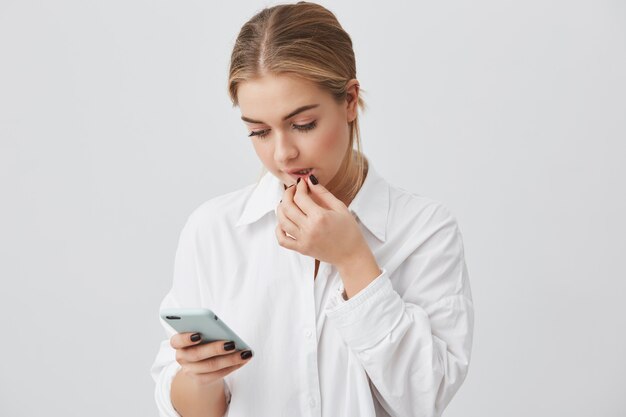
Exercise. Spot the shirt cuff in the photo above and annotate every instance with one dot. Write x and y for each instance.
(369, 315)
(163, 390)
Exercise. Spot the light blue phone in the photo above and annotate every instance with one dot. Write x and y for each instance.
(204, 321)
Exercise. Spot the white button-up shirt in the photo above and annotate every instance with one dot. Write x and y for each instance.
(399, 347)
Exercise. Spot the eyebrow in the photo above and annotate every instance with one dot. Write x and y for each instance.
(293, 113)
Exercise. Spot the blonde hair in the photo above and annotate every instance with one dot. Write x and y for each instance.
(304, 40)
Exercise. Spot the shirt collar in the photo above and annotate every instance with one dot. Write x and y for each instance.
(370, 205)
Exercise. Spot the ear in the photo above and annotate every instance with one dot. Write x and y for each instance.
(352, 98)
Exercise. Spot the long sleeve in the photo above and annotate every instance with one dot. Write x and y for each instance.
(414, 347)
(185, 292)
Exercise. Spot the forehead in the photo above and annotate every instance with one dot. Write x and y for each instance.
(272, 96)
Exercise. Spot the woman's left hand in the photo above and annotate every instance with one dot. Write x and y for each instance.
(321, 225)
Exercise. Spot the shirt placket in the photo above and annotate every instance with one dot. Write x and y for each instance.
(309, 334)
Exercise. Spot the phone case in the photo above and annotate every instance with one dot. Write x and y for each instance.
(204, 321)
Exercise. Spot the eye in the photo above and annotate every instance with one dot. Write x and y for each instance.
(306, 127)
(302, 128)
(260, 133)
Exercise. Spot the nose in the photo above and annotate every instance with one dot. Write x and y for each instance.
(284, 149)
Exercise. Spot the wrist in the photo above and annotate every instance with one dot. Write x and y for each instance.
(358, 272)
(357, 259)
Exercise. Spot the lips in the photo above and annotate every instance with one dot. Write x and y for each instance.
(294, 174)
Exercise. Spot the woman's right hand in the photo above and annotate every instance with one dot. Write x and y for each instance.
(206, 363)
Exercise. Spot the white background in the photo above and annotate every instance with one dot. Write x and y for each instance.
(115, 124)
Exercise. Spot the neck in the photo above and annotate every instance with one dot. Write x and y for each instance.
(342, 186)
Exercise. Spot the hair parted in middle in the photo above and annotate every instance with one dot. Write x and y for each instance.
(305, 40)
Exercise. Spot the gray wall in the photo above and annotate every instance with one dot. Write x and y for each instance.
(115, 124)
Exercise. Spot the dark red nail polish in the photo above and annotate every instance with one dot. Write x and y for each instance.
(299, 178)
(195, 337)
(313, 179)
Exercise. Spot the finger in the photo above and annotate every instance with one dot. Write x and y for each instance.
(304, 201)
(205, 351)
(288, 193)
(291, 210)
(182, 340)
(284, 240)
(285, 197)
(323, 197)
(207, 378)
(223, 372)
(217, 363)
(285, 223)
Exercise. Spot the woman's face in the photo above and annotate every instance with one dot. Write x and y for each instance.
(295, 125)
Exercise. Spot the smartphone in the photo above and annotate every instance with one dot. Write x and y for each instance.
(204, 321)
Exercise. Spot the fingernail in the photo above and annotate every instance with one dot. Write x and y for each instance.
(246, 354)
(195, 337)
(313, 179)
(229, 346)
(291, 185)
(299, 178)
(281, 201)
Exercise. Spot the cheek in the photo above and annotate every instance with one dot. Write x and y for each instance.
(330, 140)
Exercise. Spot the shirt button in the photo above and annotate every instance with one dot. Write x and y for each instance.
(309, 334)
(312, 402)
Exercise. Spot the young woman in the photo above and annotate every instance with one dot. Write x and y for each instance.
(353, 293)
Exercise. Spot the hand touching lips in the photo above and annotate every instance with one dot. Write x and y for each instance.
(313, 222)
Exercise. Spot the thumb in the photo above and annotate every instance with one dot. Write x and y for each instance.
(322, 193)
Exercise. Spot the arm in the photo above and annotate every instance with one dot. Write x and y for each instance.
(415, 345)
(191, 400)
(171, 386)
